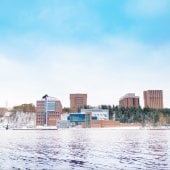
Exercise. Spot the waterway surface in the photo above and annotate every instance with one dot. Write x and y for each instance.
(83, 149)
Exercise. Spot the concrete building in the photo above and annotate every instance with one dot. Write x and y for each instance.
(48, 111)
(77, 101)
(63, 122)
(153, 99)
(129, 100)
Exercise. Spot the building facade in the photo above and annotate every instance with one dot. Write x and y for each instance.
(3, 110)
(153, 99)
(129, 100)
(77, 101)
(99, 114)
(48, 112)
(79, 118)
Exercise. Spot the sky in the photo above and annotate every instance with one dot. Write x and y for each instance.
(105, 48)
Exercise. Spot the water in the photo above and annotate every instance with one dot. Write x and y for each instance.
(82, 149)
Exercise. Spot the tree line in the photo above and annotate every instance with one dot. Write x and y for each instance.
(138, 115)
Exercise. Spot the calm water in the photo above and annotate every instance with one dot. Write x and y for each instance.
(85, 149)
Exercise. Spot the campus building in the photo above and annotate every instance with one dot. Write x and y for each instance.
(153, 99)
(48, 111)
(129, 100)
(98, 114)
(77, 101)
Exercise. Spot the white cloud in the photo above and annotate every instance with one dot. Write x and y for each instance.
(106, 72)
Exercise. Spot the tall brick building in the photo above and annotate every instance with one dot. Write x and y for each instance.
(129, 100)
(153, 99)
(77, 101)
(48, 112)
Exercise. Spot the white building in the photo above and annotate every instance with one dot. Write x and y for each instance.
(100, 114)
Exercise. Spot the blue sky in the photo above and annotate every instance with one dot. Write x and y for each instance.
(105, 48)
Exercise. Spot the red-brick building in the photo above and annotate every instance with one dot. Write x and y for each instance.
(153, 99)
(77, 101)
(49, 109)
(3, 110)
(129, 100)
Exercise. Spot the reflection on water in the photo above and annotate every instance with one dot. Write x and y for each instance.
(85, 149)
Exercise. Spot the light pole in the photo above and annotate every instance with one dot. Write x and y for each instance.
(46, 111)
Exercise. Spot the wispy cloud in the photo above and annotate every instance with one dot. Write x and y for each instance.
(148, 8)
